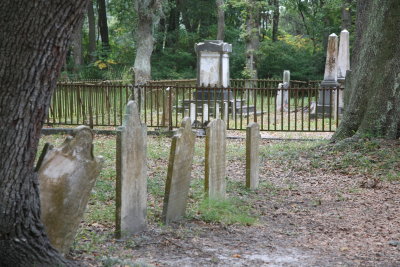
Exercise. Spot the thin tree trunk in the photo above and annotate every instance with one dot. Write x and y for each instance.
(221, 20)
(34, 36)
(103, 26)
(372, 95)
(346, 14)
(275, 21)
(77, 47)
(92, 32)
(252, 38)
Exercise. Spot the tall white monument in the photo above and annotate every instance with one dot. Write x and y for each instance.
(343, 66)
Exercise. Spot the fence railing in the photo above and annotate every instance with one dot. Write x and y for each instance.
(274, 109)
(165, 104)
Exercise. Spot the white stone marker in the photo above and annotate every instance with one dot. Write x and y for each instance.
(217, 111)
(330, 75)
(205, 112)
(193, 114)
(343, 66)
(253, 138)
(282, 97)
(131, 189)
(226, 110)
(66, 176)
(215, 165)
(179, 173)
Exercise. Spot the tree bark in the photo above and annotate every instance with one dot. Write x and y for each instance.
(92, 32)
(148, 13)
(221, 20)
(372, 95)
(34, 36)
(103, 26)
(275, 21)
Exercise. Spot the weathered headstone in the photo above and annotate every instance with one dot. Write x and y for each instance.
(179, 173)
(330, 76)
(131, 187)
(205, 112)
(215, 165)
(226, 110)
(67, 175)
(193, 114)
(343, 67)
(252, 155)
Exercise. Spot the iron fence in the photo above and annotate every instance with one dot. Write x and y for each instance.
(165, 103)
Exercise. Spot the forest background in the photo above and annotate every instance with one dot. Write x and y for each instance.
(268, 36)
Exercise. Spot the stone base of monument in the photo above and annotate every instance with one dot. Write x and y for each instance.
(321, 111)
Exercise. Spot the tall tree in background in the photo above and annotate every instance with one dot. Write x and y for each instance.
(92, 32)
(221, 20)
(148, 13)
(275, 20)
(77, 52)
(372, 95)
(103, 25)
(252, 38)
(346, 14)
(34, 37)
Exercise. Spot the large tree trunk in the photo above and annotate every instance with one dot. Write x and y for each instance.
(275, 21)
(92, 32)
(34, 37)
(221, 20)
(372, 95)
(148, 13)
(346, 14)
(103, 26)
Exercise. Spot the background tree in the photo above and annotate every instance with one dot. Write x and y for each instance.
(103, 25)
(221, 19)
(372, 95)
(34, 36)
(92, 32)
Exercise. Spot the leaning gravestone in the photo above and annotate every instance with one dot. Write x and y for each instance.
(67, 175)
(179, 171)
(215, 165)
(131, 187)
(252, 155)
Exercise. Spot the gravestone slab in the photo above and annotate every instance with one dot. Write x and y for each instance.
(67, 175)
(253, 138)
(215, 164)
(131, 187)
(179, 173)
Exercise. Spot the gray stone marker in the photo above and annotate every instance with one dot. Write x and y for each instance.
(330, 76)
(131, 187)
(253, 138)
(179, 173)
(215, 172)
(67, 175)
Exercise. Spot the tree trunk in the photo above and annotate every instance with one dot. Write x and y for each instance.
(148, 17)
(221, 20)
(372, 95)
(346, 14)
(252, 38)
(92, 32)
(77, 47)
(34, 36)
(275, 21)
(103, 26)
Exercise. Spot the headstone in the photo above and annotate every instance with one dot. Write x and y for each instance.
(131, 188)
(215, 165)
(213, 63)
(252, 155)
(343, 67)
(67, 175)
(205, 112)
(282, 97)
(330, 76)
(179, 171)
(193, 112)
(226, 110)
(167, 111)
(217, 111)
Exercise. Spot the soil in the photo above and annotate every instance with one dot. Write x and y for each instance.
(307, 217)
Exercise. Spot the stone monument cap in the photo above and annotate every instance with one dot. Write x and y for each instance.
(333, 35)
(213, 46)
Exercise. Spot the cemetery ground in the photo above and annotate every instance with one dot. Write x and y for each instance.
(318, 204)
